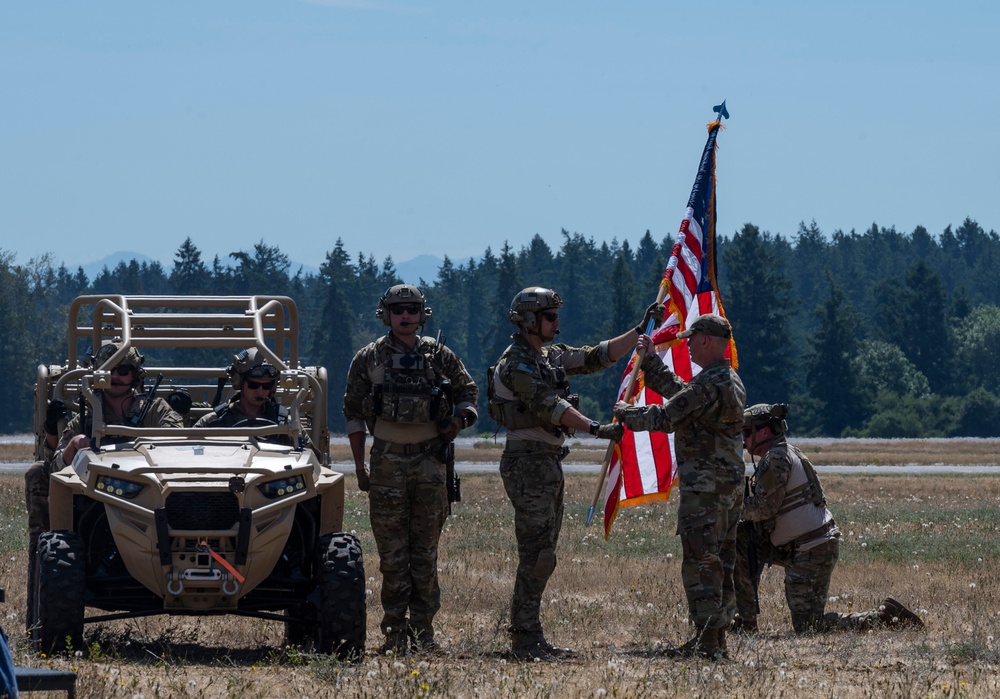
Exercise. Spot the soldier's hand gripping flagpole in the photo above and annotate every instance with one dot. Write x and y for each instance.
(629, 388)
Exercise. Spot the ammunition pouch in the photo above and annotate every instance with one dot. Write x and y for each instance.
(408, 401)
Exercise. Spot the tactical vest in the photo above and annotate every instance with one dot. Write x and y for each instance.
(407, 389)
(514, 414)
(278, 416)
(810, 492)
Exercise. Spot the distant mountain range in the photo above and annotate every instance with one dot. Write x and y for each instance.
(411, 271)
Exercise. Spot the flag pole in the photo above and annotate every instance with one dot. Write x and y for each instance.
(723, 113)
(660, 295)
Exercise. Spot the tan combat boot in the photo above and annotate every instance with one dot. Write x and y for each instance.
(533, 646)
(723, 649)
(744, 625)
(895, 615)
(705, 644)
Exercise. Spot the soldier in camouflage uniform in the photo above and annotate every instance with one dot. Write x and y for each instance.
(786, 522)
(529, 395)
(705, 415)
(414, 395)
(254, 380)
(122, 402)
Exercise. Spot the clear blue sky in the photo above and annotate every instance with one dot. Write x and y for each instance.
(441, 127)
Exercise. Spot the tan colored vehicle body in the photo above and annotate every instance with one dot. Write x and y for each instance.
(244, 519)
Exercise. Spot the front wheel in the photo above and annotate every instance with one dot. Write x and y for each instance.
(343, 619)
(59, 585)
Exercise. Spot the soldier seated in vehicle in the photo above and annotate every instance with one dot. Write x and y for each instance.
(123, 403)
(253, 404)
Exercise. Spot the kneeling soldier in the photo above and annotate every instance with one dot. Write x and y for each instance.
(786, 522)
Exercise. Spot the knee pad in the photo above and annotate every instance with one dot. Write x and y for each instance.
(545, 564)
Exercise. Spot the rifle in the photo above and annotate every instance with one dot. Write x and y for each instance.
(452, 481)
(754, 565)
(136, 420)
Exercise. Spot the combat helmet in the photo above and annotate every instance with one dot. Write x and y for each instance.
(251, 363)
(529, 302)
(401, 294)
(767, 414)
(132, 358)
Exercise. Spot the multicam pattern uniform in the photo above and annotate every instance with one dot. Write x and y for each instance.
(800, 536)
(36, 479)
(230, 414)
(531, 465)
(706, 416)
(408, 495)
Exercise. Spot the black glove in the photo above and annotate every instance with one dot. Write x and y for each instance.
(364, 478)
(656, 311)
(53, 414)
(449, 427)
(612, 431)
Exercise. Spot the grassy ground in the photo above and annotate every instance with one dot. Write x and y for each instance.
(930, 541)
(821, 451)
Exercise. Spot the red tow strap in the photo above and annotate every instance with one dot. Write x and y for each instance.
(222, 561)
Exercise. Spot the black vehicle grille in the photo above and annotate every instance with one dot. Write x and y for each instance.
(199, 511)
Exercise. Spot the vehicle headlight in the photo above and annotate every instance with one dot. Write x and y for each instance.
(283, 487)
(118, 487)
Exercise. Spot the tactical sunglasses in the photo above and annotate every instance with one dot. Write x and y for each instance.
(550, 316)
(259, 384)
(123, 370)
(401, 308)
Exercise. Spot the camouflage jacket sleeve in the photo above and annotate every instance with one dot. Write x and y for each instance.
(769, 483)
(579, 360)
(464, 389)
(359, 386)
(691, 402)
(521, 371)
(71, 430)
(162, 415)
(659, 377)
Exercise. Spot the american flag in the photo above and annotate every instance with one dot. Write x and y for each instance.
(643, 467)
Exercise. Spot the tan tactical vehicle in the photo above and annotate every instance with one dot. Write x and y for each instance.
(197, 521)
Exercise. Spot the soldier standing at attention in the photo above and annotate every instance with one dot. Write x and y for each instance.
(705, 415)
(414, 395)
(785, 521)
(529, 395)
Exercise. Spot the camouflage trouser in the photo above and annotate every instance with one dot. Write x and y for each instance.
(807, 585)
(409, 503)
(533, 478)
(706, 523)
(36, 498)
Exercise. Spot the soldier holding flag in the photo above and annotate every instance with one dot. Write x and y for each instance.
(705, 415)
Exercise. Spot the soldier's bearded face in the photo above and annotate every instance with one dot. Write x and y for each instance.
(120, 383)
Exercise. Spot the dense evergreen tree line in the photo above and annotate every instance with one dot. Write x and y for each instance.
(877, 333)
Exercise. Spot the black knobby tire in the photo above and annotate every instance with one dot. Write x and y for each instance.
(58, 595)
(297, 632)
(30, 614)
(343, 617)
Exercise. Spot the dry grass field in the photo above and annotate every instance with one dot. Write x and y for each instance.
(930, 541)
